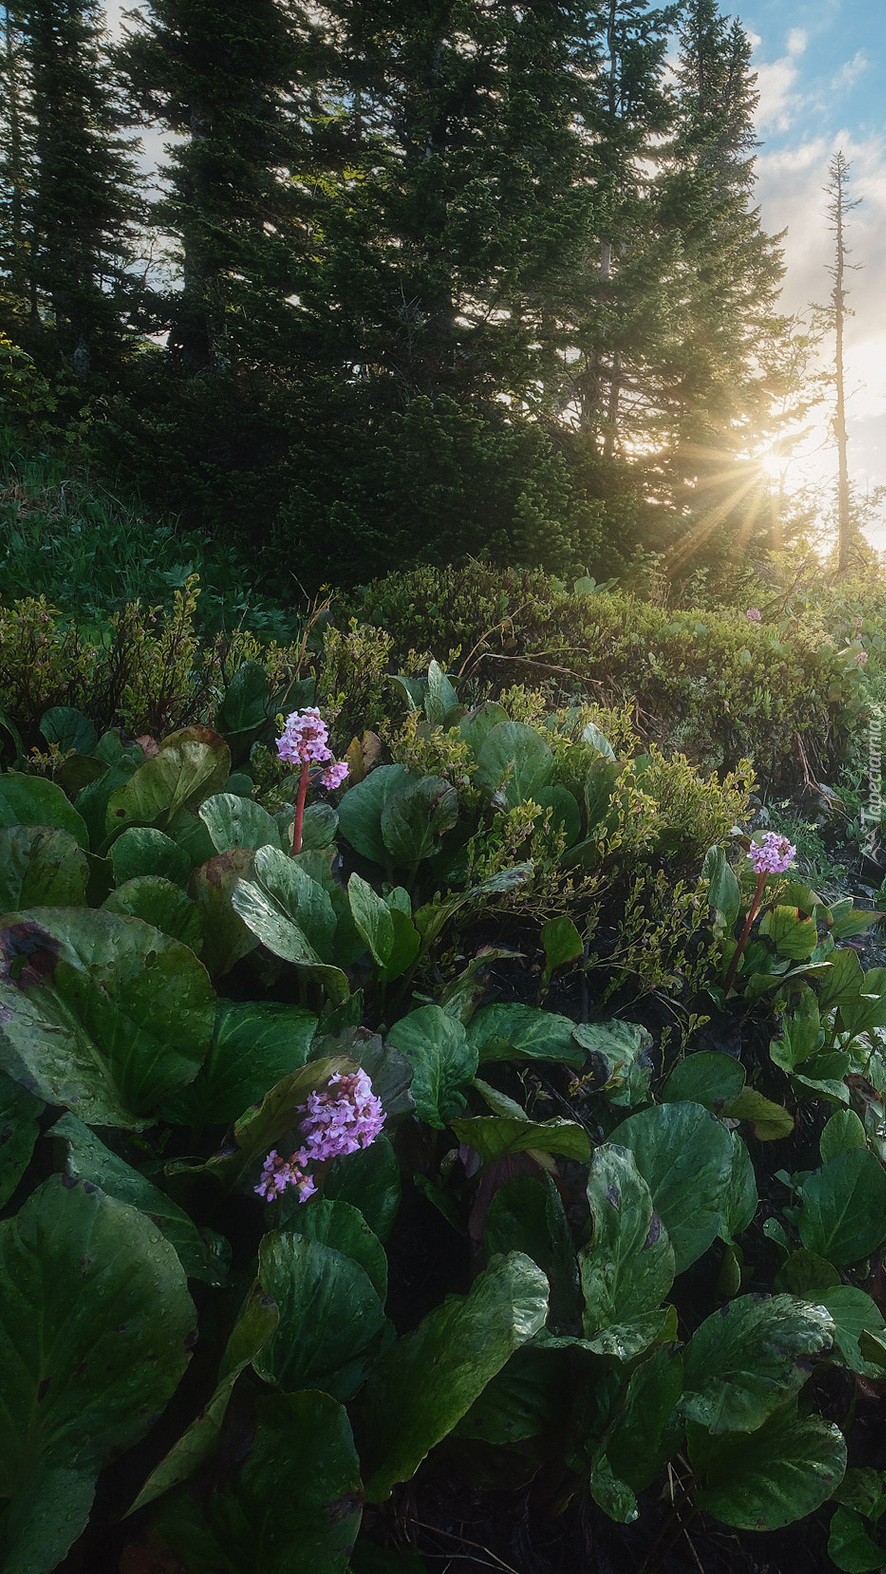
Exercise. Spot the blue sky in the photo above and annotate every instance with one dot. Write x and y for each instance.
(821, 68)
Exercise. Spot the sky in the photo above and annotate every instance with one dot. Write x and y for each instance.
(821, 76)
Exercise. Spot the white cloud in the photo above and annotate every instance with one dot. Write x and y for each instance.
(850, 72)
(776, 84)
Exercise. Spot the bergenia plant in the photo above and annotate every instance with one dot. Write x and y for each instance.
(305, 742)
(334, 1123)
(773, 855)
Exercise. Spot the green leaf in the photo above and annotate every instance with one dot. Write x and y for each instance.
(843, 1212)
(332, 1323)
(441, 697)
(565, 814)
(430, 1378)
(533, 1394)
(95, 1323)
(514, 759)
(293, 916)
(854, 1313)
(769, 1121)
(769, 1478)
(370, 1181)
(339, 1225)
(260, 1128)
(318, 827)
(89, 1160)
(850, 1546)
(792, 935)
(647, 1429)
(479, 722)
(562, 944)
(20, 1115)
(843, 982)
(415, 818)
(508, 1031)
(226, 938)
(100, 1012)
(723, 890)
(706, 1077)
(238, 822)
(69, 728)
(32, 800)
(144, 850)
(685, 1157)
(741, 1199)
(301, 1441)
(746, 1359)
(801, 1033)
(443, 1062)
(527, 1215)
(807, 1275)
(189, 766)
(41, 866)
(373, 918)
(629, 1267)
(257, 1321)
(160, 903)
(255, 1044)
(496, 1136)
(360, 810)
(617, 1058)
(843, 1132)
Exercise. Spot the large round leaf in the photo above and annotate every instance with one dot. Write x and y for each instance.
(443, 1061)
(746, 1359)
(516, 759)
(189, 766)
(41, 866)
(510, 1031)
(95, 1324)
(255, 1043)
(629, 1267)
(370, 1181)
(332, 1323)
(32, 800)
(343, 1227)
(296, 1504)
(685, 1157)
(160, 903)
(360, 810)
(233, 821)
(20, 1113)
(843, 1214)
(144, 850)
(765, 1479)
(431, 1377)
(226, 939)
(100, 1012)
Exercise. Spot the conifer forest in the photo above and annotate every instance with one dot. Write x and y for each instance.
(442, 855)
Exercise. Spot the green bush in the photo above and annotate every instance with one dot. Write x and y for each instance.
(716, 687)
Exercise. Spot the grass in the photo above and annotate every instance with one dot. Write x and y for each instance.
(89, 550)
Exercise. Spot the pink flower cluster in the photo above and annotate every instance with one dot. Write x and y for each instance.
(861, 659)
(344, 1117)
(773, 855)
(754, 614)
(305, 741)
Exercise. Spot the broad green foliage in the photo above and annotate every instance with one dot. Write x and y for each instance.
(94, 1333)
(100, 1012)
(430, 1378)
(177, 991)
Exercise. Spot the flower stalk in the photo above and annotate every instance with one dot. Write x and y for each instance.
(774, 855)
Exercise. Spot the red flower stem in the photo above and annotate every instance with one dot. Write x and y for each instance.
(300, 808)
(752, 913)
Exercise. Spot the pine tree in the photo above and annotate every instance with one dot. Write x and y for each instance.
(219, 75)
(717, 386)
(81, 205)
(15, 164)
